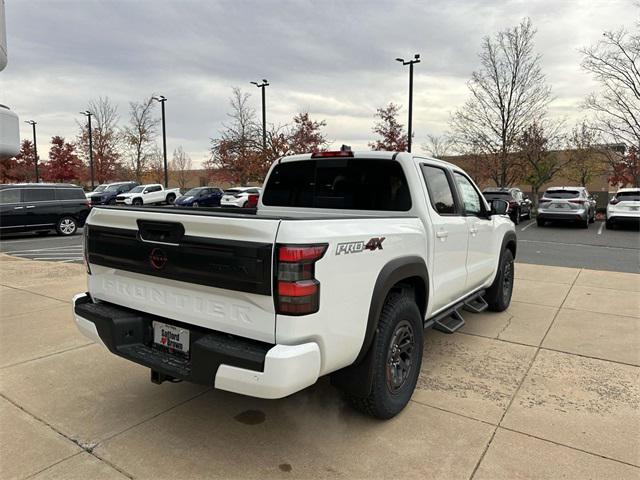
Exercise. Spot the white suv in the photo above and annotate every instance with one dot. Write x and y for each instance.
(624, 207)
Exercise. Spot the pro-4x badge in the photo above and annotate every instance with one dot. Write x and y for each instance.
(374, 243)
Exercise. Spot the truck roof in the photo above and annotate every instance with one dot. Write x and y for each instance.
(400, 156)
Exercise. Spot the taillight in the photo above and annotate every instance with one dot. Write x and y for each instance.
(85, 248)
(337, 153)
(252, 201)
(614, 201)
(580, 202)
(297, 290)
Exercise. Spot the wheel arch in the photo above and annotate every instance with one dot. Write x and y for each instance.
(404, 274)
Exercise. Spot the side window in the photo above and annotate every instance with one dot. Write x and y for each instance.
(439, 189)
(69, 194)
(470, 198)
(10, 195)
(155, 188)
(39, 194)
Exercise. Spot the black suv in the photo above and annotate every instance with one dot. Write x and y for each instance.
(41, 207)
(519, 204)
(106, 193)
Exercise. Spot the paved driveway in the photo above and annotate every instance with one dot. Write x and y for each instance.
(550, 388)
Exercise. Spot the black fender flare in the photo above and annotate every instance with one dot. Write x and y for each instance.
(509, 241)
(358, 377)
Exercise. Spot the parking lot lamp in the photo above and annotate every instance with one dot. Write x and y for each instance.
(262, 85)
(35, 147)
(88, 114)
(415, 59)
(162, 99)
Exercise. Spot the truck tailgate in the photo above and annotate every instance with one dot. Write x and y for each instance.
(211, 271)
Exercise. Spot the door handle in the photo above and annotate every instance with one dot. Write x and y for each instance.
(473, 230)
(442, 234)
(31, 206)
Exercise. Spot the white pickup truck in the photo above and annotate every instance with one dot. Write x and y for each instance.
(148, 194)
(346, 260)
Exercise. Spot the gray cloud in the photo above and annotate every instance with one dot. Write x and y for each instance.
(333, 58)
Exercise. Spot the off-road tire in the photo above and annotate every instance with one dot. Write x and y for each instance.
(171, 198)
(67, 226)
(400, 312)
(498, 295)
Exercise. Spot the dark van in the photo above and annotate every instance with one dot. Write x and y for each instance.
(41, 207)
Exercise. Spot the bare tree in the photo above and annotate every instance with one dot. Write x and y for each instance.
(614, 61)
(238, 149)
(139, 135)
(438, 146)
(588, 156)
(181, 164)
(106, 140)
(508, 92)
(155, 165)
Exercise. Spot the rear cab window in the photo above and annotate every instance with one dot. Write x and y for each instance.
(339, 183)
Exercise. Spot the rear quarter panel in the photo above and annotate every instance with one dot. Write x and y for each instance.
(346, 280)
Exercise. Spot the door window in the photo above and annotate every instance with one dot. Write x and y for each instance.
(440, 191)
(470, 197)
(70, 194)
(11, 195)
(39, 194)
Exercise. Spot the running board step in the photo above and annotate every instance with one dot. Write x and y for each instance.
(450, 323)
(476, 304)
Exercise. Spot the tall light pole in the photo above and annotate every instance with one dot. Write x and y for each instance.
(416, 59)
(88, 114)
(262, 85)
(162, 99)
(35, 146)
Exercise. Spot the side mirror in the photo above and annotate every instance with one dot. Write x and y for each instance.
(499, 207)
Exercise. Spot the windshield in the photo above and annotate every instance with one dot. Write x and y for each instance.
(137, 189)
(100, 188)
(233, 191)
(562, 194)
(628, 196)
(193, 192)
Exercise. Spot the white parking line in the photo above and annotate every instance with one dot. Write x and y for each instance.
(60, 259)
(600, 229)
(527, 226)
(577, 245)
(35, 255)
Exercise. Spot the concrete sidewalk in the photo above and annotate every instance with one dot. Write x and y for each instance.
(549, 388)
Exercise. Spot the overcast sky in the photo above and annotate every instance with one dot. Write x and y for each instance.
(333, 59)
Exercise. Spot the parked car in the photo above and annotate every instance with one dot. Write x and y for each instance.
(348, 257)
(148, 194)
(200, 197)
(573, 204)
(106, 193)
(42, 207)
(243, 197)
(624, 207)
(519, 204)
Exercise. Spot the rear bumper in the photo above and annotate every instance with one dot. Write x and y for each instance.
(624, 218)
(575, 215)
(216, 359)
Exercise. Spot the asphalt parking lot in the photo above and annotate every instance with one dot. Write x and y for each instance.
(568, 245)
(549, 388)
